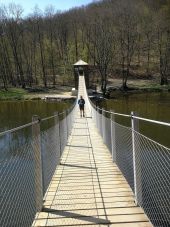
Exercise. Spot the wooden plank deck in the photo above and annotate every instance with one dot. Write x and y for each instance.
(87, 188)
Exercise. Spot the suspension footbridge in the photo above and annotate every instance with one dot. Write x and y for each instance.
(85, 171)
(87, 188)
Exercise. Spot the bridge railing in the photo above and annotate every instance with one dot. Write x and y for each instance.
(29, 156)
(144, 163)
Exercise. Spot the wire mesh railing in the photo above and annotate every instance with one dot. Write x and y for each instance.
(29, 157)
(27, 163)
(144, 163)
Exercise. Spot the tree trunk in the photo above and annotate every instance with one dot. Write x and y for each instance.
(42, 58)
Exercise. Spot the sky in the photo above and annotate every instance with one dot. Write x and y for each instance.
(28, 5)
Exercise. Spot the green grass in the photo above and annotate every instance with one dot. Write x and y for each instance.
(157, 87)
(12, 93)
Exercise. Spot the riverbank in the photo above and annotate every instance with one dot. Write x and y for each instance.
(12, 94)
(135, 86)
(59, 92)
(64, 92)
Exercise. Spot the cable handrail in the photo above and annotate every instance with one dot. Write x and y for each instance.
(152, 121)
(144, 162)
(53, 116)
(133, 116)
(29, 159)
(129, 128)
(35, 122)
(98, 108)
(18, 128)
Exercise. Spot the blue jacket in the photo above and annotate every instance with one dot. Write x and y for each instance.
(81, 102)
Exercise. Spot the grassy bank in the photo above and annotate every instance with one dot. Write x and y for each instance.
(156, 87)
(12, 94)
(136, 86)
(34, 93)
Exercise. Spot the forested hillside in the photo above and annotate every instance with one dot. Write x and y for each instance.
(122, 38)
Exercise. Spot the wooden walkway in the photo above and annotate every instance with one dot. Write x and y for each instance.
(87, 188)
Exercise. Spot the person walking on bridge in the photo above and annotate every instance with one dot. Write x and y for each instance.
(81, 103)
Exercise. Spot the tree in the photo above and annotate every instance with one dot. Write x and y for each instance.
(114, 36)
(13, 32)
(38, 20)
(148, 30)
(50, 32)
(101, 49)
(127, 29)
(163, 41)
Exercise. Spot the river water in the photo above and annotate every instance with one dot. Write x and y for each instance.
(17, 156)
(148, 105)
(18, 160)
(152, 160)
(16, 113)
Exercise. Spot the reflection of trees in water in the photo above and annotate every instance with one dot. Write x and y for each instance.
(17, 187)
(13, 114)
(148, 105)
(11, 144)
(17, 172)
(17, 168)
(16, 177)
(16, 113)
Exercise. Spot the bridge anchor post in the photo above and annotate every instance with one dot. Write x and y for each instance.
(38, 163)
(113, 135)
(103, 126)
(57, 133)
(136, 159)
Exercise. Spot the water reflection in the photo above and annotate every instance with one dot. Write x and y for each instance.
(13, 114)
(149, 105)
(18, 158)
(16, 113)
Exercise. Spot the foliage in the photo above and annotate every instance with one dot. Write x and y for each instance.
(113, 36)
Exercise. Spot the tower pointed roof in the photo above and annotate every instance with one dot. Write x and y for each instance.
(81, 63)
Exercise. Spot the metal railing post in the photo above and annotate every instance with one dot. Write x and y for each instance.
(56, 118)
(103, 125)
(96, 117)
(135, 127)
(65, 116)
(38, 163)
(71, 118)
(100, 123)
(57, 130)
(94, 114)
(91, 111)
(68, 122)
(65, 126)
(113, 135)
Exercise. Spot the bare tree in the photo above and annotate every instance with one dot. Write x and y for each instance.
(62, 40)
(111, 35)
(38, 20)
(148, 30)
(50, 32)
(163, 39)
(102, 40)
(13, 32)
(4, 52)
(127, 36)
